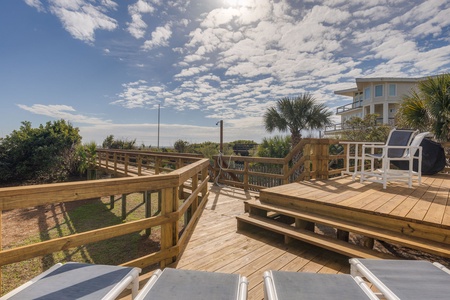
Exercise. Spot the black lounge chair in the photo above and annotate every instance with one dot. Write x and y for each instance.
(198, 285)
(280, 285)
(78, 281)
(405, 279)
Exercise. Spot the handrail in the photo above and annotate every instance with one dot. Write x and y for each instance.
(260, 172)
(173, 239)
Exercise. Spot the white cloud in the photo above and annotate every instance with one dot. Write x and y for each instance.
(81, 18)
(138, 94)
(63, 112)
(36, 4)
(137, 27)
(160, 37)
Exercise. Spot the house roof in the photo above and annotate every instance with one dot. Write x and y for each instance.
(359, 81)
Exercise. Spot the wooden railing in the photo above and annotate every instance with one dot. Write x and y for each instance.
(188, 183)
(256, 173)
(137, 163)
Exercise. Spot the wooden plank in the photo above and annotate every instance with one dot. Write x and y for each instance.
(435, 213)
(76, 240)
(420, 209)
(30, 196)
(408, 226)
(312, 238)
(368, 231)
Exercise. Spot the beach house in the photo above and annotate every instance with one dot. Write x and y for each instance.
(378, 95)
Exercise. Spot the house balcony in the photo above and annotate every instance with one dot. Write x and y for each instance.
(349, 106)
(339, 127)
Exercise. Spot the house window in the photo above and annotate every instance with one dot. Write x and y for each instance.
(392, 90)
(367, 93)
(378, 90)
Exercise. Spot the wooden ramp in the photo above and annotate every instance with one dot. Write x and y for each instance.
(417, 218)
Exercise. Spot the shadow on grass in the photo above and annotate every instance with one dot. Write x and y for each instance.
(62, 220)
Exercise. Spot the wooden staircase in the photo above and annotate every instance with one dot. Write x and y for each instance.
(297, 219)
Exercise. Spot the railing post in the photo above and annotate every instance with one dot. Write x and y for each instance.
(307, 164)
(285, 172)
(205, 189)
(139, 162)
(111, 202)
(314, 156)
(325, 158)
(169, 231)
(148, 209)
(124, 206)
(245, 175)
(157, 165)
(126, 164)
(99, 160)
(106, 161)
(115, 163)
(216, 168)
(194, 187)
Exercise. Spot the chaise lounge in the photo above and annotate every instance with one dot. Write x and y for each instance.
(78, 281)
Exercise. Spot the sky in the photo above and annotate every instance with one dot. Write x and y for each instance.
(106, 66)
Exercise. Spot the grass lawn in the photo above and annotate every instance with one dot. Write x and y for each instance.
(28, 226)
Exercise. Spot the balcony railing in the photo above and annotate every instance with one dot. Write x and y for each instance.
(343, 126)
(348, 107)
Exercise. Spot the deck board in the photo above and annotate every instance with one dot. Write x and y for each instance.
(217, 246)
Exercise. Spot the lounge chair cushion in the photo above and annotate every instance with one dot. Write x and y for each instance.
(187, 285)
(291, 285)
(75, 281)
(411, 279)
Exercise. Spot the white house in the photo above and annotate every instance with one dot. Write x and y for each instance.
(380, 96)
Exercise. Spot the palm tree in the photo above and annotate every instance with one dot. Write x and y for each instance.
(296, 114)
(429, 107)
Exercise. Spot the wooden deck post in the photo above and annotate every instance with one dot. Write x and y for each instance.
(111, 202)
(246, 176)
(126, 161)
(139, 161)
(148, 209)
(342, 235)
(285, 172)
(169, 231)
(157, 165)
(115, 163)
(124, 206)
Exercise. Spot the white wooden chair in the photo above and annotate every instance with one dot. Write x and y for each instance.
(402, 145)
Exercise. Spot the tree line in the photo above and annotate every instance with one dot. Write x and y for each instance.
(54, 152)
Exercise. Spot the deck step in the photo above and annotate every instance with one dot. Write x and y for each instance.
(310, 237)
(441, 249)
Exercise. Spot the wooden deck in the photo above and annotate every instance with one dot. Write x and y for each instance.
(217, 246)
(428, 203)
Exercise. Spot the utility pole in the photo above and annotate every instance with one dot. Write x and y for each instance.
(159, 108)
(221, 135)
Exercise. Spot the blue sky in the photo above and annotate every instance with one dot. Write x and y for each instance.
(106, 65)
